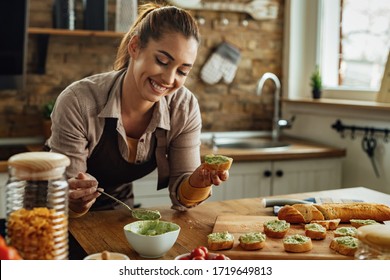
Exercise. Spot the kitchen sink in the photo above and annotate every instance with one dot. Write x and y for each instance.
(248, 143)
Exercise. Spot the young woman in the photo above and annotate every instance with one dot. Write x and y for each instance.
(117, 127)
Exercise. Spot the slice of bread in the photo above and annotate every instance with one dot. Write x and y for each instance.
(345, 231)
(252, 241)
(276, 228)
(220, 241)
(217, 162)
(328, 224)
(358, 223)
(315, 231)
(344, 245)
(297, 243)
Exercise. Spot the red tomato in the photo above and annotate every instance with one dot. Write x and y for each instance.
(204, 249)
(220, 257)
(9, 253)
(197, 252)
(198, 258)
(2, 241)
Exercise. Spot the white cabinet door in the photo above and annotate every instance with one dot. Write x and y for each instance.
(246, 179)
(306, 175)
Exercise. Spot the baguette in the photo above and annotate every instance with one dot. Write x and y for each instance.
(252, 241)
(328, 224)
(297, 243)
(300, 213)
(217, 162)
(315, 231)
(220, 241)
(276, 228)
(343, 211)
(344, 245)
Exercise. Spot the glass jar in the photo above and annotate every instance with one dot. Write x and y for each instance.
(37, 205)
(374, 242)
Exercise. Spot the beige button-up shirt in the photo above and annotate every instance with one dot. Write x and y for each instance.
(79, 116)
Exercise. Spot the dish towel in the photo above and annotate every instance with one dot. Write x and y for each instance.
(222, 64)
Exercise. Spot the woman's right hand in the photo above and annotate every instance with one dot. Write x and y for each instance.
(82, 192)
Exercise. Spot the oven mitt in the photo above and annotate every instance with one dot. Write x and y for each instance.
(221, 65)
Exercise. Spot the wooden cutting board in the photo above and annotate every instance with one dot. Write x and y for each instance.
(239, 224)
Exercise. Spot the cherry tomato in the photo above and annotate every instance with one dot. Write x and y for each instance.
(197, 252)
(220, 257)
(9, 253)
(204, 249)
(198, 258)
(2, 241)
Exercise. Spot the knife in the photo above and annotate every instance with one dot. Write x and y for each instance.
(270, 202)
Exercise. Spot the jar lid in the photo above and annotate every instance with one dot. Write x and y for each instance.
(38, 165)
(377, 235)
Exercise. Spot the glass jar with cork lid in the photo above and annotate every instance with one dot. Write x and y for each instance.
(374, 242)
(37, 205)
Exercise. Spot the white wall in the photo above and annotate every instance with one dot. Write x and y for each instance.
(357, 170)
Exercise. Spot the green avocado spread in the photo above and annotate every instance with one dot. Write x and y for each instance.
(220, 236)
(155, 227)
(350, 231)
(315, 227)
(296, 239)
(364, 222)
(215, 159)
(348, 241)
(252, 237)
(277, 225)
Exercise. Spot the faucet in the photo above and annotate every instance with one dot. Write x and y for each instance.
(276, 122)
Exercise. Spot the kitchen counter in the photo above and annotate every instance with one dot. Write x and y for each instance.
(299, 149)
(99, 231)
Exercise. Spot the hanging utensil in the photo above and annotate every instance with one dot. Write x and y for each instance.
(369, 145)
(140, 214)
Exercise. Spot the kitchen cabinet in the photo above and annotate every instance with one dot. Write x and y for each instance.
(256, 179)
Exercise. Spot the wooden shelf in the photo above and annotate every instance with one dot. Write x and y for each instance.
(78, 32)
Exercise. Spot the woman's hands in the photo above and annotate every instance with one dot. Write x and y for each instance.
(82, 192)
(203, 177)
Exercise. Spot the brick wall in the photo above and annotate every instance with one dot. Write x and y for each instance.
(224, 107)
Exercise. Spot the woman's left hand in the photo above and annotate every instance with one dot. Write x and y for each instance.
(203, 177)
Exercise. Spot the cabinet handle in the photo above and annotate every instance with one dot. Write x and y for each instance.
(279, 173)
(267, 173)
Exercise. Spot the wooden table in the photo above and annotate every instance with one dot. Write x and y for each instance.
(103, 230)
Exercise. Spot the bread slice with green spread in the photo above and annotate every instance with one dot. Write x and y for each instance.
(220, 241)
(252, 241)
(315, 231)
(344, 245)
(276, 228)
(358, 223)
(345, 231)
(217, 162)
(297, 243)
(328, 224)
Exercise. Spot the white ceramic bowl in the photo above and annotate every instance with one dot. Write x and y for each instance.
(153, 238)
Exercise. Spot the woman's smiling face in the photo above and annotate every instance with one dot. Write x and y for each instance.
(162, 66)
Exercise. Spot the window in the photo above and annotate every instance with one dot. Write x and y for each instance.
(349, 39)
(362, 45)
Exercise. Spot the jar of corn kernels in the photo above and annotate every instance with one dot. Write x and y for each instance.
(37, 205)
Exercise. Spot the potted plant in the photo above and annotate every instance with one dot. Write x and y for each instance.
(316, 83)
(46, 113)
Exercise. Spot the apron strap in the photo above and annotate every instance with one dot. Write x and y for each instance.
(162, 159)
